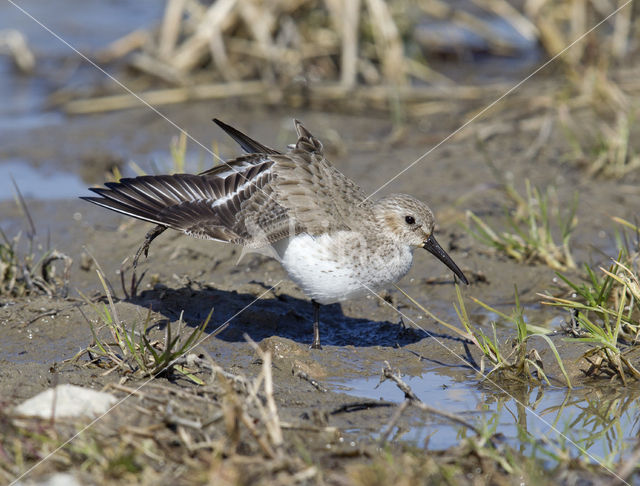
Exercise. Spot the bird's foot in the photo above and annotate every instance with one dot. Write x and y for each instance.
(151, 235)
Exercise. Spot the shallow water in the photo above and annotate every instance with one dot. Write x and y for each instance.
(38, 183)
(583, 421)
(93, 26)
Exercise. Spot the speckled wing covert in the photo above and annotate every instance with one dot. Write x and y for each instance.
(253, 200)
(319, 197)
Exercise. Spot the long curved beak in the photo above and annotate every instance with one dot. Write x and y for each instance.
(432, 246)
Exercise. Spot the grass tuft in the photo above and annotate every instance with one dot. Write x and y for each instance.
(605, 312)
(531, 239)
(130, 350)
(519, 363)
(32, 270)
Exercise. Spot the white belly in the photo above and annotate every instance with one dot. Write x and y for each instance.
(339, 267)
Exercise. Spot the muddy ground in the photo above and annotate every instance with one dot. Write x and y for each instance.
(190, 277)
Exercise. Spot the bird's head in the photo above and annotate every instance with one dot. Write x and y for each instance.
(411, 222)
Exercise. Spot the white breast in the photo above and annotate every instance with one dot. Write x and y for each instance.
(340, 266)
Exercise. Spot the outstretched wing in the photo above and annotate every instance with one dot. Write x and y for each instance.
(212, 205)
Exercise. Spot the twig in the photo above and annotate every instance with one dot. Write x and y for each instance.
(412, 399)
(304, 376)
(43, 314)
(394, 419)
(47, 275)
(389, 374)
(357, 406)
(173, 419)
(450, 416)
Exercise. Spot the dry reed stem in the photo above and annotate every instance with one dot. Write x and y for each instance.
(272, 420)
(218, 52)
(346, 17)
(288, 44)
(270, 416)
(578, 24)
(260, 21)
(194, 49)
(517, 20)
(14, 43)
(388, 42)
(170, 30)
(317, 93)
(166, 96)
(124, 45)
(157, 68)
(622, 23)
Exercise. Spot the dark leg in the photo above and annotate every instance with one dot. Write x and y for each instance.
(151, 235)
(316, 326)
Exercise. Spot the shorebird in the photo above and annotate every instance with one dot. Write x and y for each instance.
(333, 242)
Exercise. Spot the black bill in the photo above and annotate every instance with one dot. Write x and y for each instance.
(434, 247)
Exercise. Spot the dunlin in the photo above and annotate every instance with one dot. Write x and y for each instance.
(334, 242)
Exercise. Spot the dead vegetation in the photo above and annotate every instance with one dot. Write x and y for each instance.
(229, 431)
(225, 431)
(26, 267)
(359, 54)
(380, 56)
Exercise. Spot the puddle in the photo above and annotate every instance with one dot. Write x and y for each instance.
(602, 423)
(23, 97)
(437, 390)
(38, 183)
(49, 183)
(93, 26)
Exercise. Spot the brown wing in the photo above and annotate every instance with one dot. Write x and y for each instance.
(215, 205)
(318, 196)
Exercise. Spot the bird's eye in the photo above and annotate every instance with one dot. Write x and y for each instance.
(410, 219)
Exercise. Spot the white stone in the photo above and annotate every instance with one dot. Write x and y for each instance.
(70, 401)
(56, 479)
